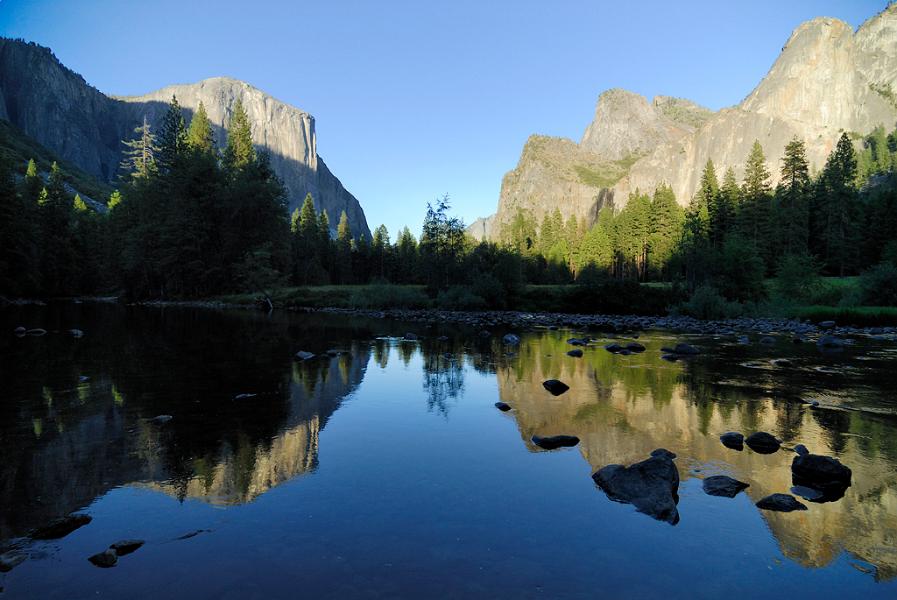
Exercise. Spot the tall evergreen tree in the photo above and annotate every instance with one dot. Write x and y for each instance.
(754, 217)
(666, 229)
(57, 260)
(792, 200)
(200, 136)
(837, 216)
(139, 160)
(239, 151)
(172, 136)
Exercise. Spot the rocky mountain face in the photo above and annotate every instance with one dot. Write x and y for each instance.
(827, 80)
(580, 178)
(56, 107)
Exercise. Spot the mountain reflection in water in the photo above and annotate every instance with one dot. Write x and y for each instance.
(77, 420)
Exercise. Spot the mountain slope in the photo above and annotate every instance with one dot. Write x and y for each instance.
(57, 108)
(828, 79)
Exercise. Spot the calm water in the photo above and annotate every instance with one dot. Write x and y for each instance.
(387, 471)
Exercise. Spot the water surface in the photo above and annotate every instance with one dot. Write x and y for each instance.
(385, 470)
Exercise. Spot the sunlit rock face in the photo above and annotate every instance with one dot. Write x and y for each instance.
(827, 80)
(56, 107)
(623, 408)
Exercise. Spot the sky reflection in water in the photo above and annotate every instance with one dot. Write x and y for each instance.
(387, 471)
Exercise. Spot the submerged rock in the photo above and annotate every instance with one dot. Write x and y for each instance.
(76, 333)
(651, 485)
(104, 559)
(20, 331)
(807, 493)
(781, 503)
(575, 353)
(733, 440)
(304, 355)
(60, 527)
(555, 387)
(578, 341)
(685, 349)
(721, 485)
(614, 348)
(36, 331)
(762, 442)
(768, 340)
(555, 441)
(827, 325)
(801, 449)
(830, 342)
(635, 347)
(123, 547)
(410, 337)
(9, 561)
(820, 472)
(511, 339)
(502, 406)
(244, 396)
(161, 419)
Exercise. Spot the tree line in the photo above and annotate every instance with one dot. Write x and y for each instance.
(190, 220)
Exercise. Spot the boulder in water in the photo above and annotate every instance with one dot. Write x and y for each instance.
(555, 387)
(9, 561)
(651, 485)
(123, 547)
(60, 527)
(161, 419)
(20, 331)
(685, 349)
(575, 353)
(503, 406)
(36, 331)
(555, 441)
(635, 347)
(733, 440)
(511, 339)
(105, 559)
(304, 355)
(820, 472)
(762, 442)
(781, 503)
(721, 485)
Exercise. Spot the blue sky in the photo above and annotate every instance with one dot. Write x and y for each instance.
(415, 99)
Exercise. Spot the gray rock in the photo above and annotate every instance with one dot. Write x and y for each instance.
(555, 441)
(830, 342)
(60, 527)
(304, 355)
(614, 348)
(76, 333)
(685, 349)
(651, 485)
(123, 547)
(827, 325)
(733, 440)
(578, 341)
(105, 559)
(555, 387)
(781, 503)
(721, 485)
(244, 396)
(762, 442)
(161, 419)
(511, 339)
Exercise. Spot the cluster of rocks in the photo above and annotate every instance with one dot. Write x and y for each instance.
(614, 323)
(816, 478)
(109, 557)
(22, 331)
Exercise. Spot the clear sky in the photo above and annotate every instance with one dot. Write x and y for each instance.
(418, 98)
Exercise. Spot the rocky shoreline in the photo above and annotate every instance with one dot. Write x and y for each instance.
(521, 320)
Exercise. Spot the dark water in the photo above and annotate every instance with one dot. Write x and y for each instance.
(387, 471)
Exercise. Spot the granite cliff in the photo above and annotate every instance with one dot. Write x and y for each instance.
(828, 79)
(59, 109)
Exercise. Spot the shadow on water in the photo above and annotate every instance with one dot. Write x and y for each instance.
(78, 417)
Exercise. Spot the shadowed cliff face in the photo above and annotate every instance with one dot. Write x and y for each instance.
(60, 110)
(623, 407)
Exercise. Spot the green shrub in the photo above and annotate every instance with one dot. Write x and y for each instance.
(460, 297)
(707, 303)
(878, 285)
(381, 296)
(798, 278)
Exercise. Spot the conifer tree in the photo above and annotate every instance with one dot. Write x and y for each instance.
(239, 151)
(343, 259)
(139, 160)
(666, 228)
(200, 136)
(172, 136)
(838, 213)
(754, 217)
(57, 261)
(792, 200)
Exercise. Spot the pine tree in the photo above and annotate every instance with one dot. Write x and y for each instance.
(57, 262)
(33, 184)
(754, 217)
(239, 151)
(838, 214)
(729, 200)
(139, 160)
(200, 136)
(666, 229)
(407, 257)
(792, 200)
(343, 266)
(172, 137)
